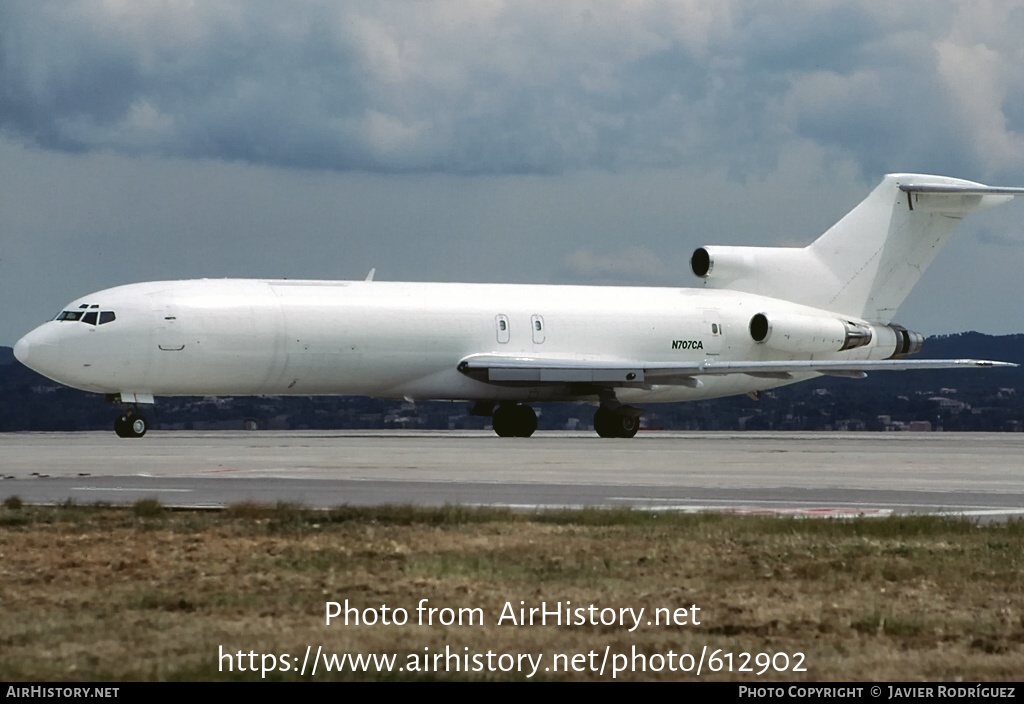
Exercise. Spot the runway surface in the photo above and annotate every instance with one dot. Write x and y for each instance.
(973, 474)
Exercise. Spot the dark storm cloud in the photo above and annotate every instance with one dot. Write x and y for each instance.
(489, 87)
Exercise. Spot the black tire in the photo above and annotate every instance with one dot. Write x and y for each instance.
(131, 425)
(503, 421)
(604, 422)
(514, 421)
(526, 421)
(610, 425)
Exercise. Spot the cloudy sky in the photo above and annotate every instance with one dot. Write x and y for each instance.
(549, 142)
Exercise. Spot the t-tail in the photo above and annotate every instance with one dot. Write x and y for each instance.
(866, 264)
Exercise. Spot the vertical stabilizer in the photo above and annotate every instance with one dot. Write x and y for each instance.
(878, 252)
(867, 263)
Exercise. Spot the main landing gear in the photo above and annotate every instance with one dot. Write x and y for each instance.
(514, 421)
(623, 422)
(131, 424)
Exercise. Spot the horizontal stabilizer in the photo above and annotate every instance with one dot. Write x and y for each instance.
(974, 190)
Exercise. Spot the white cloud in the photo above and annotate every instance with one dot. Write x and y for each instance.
(979, 81)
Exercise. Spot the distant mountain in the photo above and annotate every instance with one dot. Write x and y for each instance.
(1004, 348)
(921, 400)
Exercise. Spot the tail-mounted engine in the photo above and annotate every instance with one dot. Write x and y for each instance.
(808, 334)
(803, 334)
(766, 271)
(724, 264)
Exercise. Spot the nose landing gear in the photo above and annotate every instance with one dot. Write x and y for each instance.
(131, 425)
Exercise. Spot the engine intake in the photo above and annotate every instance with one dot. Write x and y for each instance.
(701, 262)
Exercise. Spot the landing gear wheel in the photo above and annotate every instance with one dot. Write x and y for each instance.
(131, 425)
(503, 421)
(526, 421)
(627, 426)
(611, 425)
(515, 421)
(604, 422)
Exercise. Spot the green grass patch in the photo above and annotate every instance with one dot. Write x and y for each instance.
(148, 592)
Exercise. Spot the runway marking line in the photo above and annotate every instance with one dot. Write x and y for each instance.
(746, 510)
(937, 507)
(826, 512)
(985, 512)
(149, 490)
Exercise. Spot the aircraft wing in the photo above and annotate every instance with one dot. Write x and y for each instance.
(515, 370)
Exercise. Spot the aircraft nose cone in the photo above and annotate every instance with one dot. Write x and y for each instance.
(38, 350)
(54, 350)
(22, 348)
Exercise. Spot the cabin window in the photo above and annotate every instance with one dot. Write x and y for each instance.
(501, 328)
(537, 323)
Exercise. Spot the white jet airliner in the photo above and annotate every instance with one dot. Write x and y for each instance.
(764, 317)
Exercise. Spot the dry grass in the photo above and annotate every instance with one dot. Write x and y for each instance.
(142, 593)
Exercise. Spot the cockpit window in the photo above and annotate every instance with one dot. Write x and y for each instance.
(89, 317)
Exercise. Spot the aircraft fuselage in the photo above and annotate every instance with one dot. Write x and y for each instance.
(393, 340)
